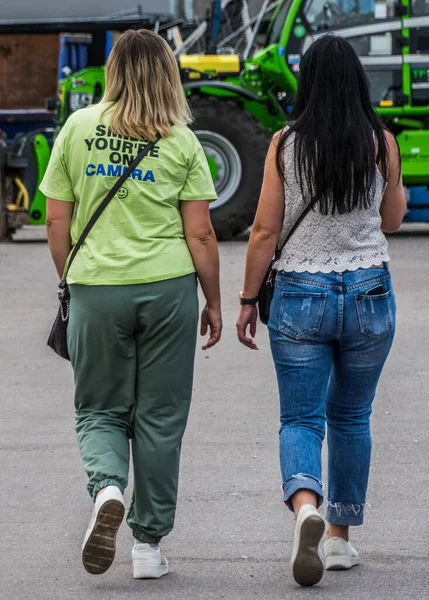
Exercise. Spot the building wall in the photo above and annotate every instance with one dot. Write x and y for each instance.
(29, 64)
(28, 70)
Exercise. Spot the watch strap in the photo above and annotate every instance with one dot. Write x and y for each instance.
(248, 301)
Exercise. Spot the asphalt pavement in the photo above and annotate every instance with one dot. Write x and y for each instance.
(233, 536)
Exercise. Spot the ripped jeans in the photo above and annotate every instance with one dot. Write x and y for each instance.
(329, 341)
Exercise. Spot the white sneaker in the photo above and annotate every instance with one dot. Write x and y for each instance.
(148, 562)
(340, 554)
(99, 545)
(307, 563)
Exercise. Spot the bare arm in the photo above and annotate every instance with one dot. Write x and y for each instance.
(263, 240)
(58, 221)
(393, 206)
(266, 227)
(201, 240)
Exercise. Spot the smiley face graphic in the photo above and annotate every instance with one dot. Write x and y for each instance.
(122, 193)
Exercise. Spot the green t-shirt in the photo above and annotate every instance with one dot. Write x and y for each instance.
(139, 237)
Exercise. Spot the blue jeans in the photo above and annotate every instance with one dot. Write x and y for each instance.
(329, 342)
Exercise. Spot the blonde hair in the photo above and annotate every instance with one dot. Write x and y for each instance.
(143, 82)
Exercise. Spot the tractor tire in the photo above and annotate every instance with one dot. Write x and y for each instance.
(236, 146)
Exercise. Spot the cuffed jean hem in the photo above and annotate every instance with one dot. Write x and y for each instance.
(143, 537)
(94, 488)
(301, 481)
(345, 513)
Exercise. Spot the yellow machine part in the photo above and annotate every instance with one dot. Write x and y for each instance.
(22, 201)
(211, 64)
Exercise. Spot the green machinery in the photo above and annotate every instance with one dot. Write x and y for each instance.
(236, 114)
(239, 102)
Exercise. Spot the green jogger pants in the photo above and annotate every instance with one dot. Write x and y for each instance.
(132, 348)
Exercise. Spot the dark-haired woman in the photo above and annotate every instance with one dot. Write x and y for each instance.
(332, 318)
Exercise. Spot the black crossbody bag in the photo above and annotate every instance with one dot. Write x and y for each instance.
(58, 337)
(266, 291)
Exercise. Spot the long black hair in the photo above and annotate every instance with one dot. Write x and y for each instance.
(335, 125)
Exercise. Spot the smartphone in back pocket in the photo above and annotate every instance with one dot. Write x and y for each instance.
(375, 291)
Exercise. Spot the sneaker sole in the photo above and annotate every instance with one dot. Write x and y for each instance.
(308, 567)
(149, 571)
(100, 548)
(340, 563)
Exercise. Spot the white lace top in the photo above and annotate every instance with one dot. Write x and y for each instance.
(333, 242)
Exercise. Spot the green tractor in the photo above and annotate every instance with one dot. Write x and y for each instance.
(240, 101)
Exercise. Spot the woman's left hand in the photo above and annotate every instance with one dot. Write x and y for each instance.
(247, 318)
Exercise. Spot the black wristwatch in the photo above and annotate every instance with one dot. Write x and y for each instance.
(248, 301)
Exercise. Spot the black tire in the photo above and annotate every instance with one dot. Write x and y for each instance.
(251, 141)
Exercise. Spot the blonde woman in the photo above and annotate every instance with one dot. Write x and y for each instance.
(133, 290)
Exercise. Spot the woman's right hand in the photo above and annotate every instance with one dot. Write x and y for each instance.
(211, 319)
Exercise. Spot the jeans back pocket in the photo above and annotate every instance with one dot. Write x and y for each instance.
(376, 314)
(301, 314)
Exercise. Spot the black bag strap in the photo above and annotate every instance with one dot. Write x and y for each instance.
(295, 227)
(107, 200)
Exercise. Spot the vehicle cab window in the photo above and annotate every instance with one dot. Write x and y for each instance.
(374, 29)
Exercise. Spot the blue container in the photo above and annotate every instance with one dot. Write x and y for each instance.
(418, 205)
(14, 122)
